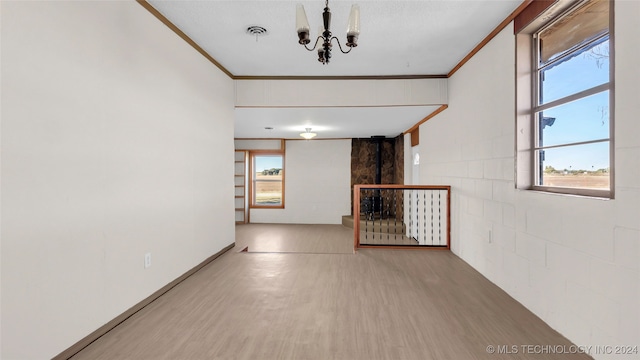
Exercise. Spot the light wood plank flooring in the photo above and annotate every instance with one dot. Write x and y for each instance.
(375, 304)
(315, 239)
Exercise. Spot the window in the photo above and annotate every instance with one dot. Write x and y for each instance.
(267, 180)
(570, 117)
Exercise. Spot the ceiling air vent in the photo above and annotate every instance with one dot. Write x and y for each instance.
(256, 31)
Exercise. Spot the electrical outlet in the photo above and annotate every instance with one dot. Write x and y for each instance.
(147, 260)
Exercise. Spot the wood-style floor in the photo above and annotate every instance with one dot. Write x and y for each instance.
(295, 304)
(314, 239)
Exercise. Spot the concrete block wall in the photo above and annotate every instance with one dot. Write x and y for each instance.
(571, 260)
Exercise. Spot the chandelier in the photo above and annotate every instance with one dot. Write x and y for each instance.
(325, 38)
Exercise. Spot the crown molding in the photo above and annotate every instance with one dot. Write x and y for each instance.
(491, 35)
(182, 35)
(346, 77)
(428, 117)
(475, 50)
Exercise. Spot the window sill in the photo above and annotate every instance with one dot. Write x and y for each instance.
(571, 192)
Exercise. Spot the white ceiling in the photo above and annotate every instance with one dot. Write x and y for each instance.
(328, 122)
(421, 37)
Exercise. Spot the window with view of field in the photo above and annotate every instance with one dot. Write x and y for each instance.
(572, 101)
(267, 176)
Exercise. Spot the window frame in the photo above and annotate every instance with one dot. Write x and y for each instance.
(252, 173)
(528, 92)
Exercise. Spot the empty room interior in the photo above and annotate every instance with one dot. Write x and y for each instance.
(448, 179)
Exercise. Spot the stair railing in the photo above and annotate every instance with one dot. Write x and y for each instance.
(402, 216)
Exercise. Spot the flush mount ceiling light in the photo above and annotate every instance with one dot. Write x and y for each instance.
(325, 38)
(308, 134)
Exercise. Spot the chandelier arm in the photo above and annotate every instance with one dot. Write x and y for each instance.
(340, 46)
(314, 45)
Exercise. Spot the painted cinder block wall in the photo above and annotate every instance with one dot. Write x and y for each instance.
(573, 261)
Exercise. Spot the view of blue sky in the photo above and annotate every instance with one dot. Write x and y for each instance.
(268, 162)
(581, 120)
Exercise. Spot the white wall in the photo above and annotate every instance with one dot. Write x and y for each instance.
(317, 184)
(258, 144)
(117, 140)
(573, 261)
(331, 93)
(408, 160)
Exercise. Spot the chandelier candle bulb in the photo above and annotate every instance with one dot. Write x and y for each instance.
(353, 29)
(302, 25)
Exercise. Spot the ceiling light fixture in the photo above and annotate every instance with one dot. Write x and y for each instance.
(324, 51)
(308, 134)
